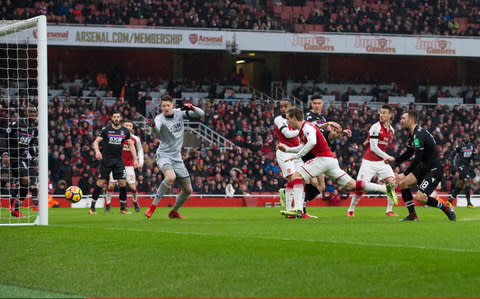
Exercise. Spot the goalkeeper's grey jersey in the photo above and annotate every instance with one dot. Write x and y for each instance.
(171, 131)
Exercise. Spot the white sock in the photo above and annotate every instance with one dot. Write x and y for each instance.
(374, 188)
(134, 196)
(298, 196)
(355, 199)
(109, 197)
(288, 198)
(389, 205)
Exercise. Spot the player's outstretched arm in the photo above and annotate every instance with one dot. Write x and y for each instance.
(192, 111)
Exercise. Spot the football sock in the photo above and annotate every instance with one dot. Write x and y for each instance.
(310, 192)
(23, 193)
(408, 200)
(162, 190)
(433, 202)
(109, 196)
(355, 199)
(288, 196)
(123, 197)
(34, 192)
(389, 204)
(298, 194)
(134, 195)
(370, 187)
(181, 199)
(467, 195)
(95, 195)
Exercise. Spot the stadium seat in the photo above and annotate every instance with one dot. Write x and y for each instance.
(134, 21)
(309, 28)
(299, 28)
(277, 11)
(76, 180)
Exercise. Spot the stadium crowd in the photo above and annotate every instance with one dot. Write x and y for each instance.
(435, 17)
(74, 122)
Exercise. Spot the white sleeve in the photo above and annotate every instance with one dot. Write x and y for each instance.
(158, 123)
(293, 149)
(311, 135)
(373, 133)
(139, 149)
(283, 127)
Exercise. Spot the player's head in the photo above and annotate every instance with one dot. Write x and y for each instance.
(284, 106)
(294, 117)
(166, 104)
(409, 119)
(128, 124)
(466, 138)
(317, 104)
(385, 113)
(336, 131)
(116, 118)
(32, 113)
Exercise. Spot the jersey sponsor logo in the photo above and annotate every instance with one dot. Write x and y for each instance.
(416, 142)
(115, 139)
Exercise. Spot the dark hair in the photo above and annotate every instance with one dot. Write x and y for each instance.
(388, 107)
(413, 115)
(166, 98)
(295, 112)
(317, 97)
(116, 112)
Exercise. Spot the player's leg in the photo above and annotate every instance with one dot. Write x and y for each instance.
(22, 189)
(427, 186)
(365, 173)
(169, 177)
(120, 174)
(101, 180)
(110, 188)
(458, 187)
(287, 169)
(185, 191)
(132, 184)
(385, 173)
(468, 183)
(405, 184)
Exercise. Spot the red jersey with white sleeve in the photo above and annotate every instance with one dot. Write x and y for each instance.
(285, 134)
(127, 155)
(379, 138)
(313, 141)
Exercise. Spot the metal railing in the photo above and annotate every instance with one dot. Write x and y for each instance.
(208, 135)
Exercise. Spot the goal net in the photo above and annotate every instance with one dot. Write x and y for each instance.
(23, 122)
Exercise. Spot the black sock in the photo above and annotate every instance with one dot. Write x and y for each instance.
(310, 192)
(95, 195)
(433, 202)
(408, 200)
(123, 197)
(454, 192)
(34, 192)
(467, 194)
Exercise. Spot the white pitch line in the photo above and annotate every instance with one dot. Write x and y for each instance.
(290, 239)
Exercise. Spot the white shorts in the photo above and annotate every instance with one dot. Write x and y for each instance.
(369, 169)
(324, 165)
(289, 167)
(131, 178)
(178, 167)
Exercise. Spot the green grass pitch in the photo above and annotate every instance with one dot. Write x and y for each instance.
(243, 252)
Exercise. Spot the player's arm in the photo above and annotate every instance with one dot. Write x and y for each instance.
(290, 149)
(191, 111)
(96, 148)
(401, 158)
(283, 127)
(373, 138)
(311, 135)
(133, 151)
(140, 154)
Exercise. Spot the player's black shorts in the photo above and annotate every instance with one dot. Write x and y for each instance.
(466, 172)
(115, 166)
(428, 178)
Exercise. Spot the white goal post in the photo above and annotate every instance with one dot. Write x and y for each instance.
(23, 79)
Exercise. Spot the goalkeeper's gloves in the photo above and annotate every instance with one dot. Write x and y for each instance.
(188, 107)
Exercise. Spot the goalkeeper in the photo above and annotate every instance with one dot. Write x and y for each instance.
(170, 127)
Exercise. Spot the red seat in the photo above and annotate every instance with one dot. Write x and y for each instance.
(277, 11)
(299, 28)
(76, 180)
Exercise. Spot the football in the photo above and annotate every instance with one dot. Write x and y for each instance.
(73, 194)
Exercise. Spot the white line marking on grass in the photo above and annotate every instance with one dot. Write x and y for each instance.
(288, 239)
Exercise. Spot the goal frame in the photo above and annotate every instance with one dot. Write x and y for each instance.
(40, 23)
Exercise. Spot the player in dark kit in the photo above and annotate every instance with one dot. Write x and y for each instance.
(425, 170)
(110, 159)
(22, 148)
(464, 155)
